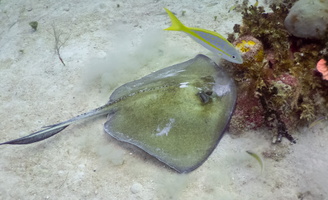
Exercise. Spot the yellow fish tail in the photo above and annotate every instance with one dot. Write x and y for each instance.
(176, 24)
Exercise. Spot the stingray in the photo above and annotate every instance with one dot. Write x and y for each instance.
(177, 114)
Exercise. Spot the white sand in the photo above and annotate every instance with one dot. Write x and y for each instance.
(107, 47)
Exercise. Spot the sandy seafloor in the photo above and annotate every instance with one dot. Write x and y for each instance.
(108, 44)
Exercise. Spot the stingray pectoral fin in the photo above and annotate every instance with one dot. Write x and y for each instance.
(36, 136)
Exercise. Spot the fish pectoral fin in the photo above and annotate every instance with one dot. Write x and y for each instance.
(37, 136)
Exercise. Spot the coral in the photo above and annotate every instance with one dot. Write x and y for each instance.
(248, 113)
(282, 77)
(239, 7)
(251, 49)
(322, 67)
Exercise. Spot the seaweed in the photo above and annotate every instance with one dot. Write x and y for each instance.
(286, 83)
(34, 25)
(59, 42)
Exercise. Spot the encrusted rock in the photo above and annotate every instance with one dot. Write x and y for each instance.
(308, 19)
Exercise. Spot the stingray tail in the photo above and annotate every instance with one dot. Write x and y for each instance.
(36, 136)
(52, 130)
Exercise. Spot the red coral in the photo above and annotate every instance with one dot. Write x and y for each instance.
(248, 114)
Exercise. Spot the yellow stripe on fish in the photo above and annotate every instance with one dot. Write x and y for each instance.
(209, 39)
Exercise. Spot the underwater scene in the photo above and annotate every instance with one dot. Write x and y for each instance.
(163, 99)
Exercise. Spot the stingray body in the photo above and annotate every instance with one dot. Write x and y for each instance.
(177, 114)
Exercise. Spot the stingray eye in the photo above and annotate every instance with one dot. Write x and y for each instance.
(205, 96)
(209, 92)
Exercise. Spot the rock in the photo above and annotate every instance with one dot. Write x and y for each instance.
(66, 7)
(135, 188)
(308, 19)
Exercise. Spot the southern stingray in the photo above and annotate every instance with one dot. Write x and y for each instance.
(177, 114)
